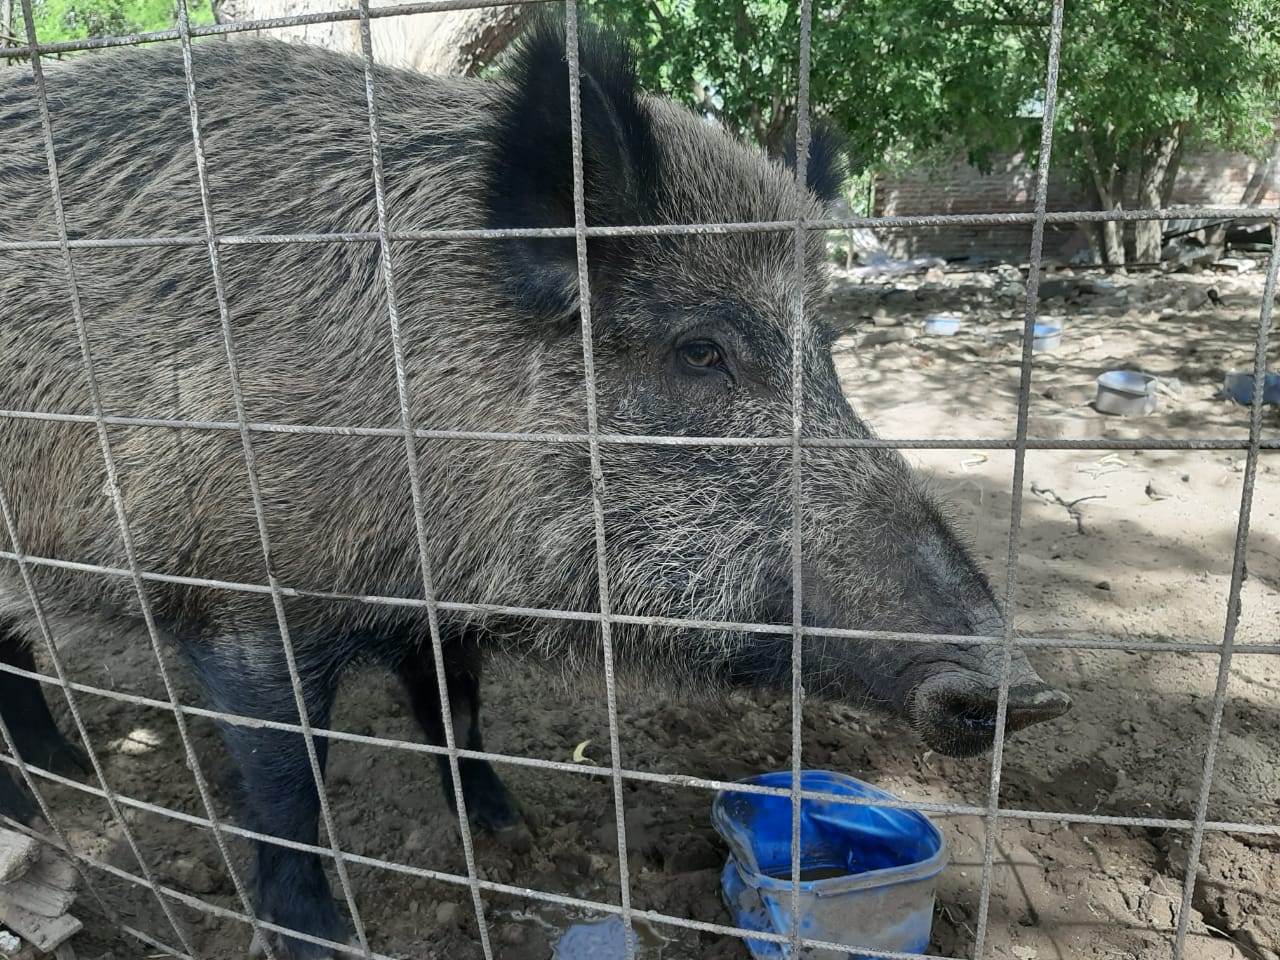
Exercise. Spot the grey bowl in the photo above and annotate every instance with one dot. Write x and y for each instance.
(1126, 393)
(1046, 336)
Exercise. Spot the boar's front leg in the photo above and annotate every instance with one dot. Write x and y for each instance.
(279, 794)
(35, 735)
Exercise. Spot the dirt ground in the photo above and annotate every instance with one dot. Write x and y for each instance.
(1127, 544)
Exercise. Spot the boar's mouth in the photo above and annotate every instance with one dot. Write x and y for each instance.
(954, 711)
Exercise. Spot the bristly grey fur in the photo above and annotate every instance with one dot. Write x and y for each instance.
(691, 338)
(691, 532)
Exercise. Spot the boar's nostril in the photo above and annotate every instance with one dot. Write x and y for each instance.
(957, 716)
(1034, 703)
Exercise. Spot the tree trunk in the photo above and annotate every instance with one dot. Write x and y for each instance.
(1154, 180)
(1259, 184)
(7, 38)
(458, 42)
(1109, 188)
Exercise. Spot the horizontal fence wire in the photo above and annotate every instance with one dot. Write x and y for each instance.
(23, 51)
(620, 439)
(685, 781)
(667, 229)
(992, 813)
(491, 609)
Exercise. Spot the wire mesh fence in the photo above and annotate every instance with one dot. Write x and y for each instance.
(600, 612)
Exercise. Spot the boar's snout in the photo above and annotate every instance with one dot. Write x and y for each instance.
(954, 711)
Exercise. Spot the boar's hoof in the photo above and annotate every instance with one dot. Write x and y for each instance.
(490, 806)
(288, 949)
(955, 712)
(496, 816)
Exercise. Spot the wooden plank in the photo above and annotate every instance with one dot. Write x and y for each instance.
(17, 854)
(44, 933)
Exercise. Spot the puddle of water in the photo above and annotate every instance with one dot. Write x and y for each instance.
(576, 936)
(595, 940)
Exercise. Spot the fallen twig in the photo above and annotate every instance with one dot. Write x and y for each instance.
(1073, 511)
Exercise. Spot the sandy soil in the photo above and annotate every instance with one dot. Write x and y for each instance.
(1144, 554)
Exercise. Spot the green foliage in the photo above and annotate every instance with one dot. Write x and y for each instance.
(900, 78)
(58, 20)
(1136, 71)
(892, 75)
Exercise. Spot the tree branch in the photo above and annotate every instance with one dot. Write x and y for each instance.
(663, 23)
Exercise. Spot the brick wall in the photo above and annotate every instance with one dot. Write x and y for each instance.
(1211, 177)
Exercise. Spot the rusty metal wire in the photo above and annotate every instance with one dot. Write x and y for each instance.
(1255, 213)
(990, 828)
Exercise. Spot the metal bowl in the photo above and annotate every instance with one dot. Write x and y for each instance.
(1126, 393)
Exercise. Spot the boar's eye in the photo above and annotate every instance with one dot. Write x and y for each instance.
(701, 355)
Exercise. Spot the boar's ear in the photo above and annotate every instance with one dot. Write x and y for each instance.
(529, 174)
(826, 171)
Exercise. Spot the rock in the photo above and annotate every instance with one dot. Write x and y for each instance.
(1014, 290)
(511, 934)
(17, 854)
(1071, 394)
(448, 914)
(137, 743)
(416, 840)
(1156, 492)
(1103, 585)
(193, 875)
(935, 275)
(1056, 290)
(882, 335)
(1234, 264)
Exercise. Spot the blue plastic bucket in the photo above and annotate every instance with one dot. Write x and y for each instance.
(867, 874)
(1238, 385)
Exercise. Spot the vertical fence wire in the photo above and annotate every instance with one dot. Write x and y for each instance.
(991, 825)
(991, 813)
(415, 478)
(597, 468)
(1233, 597)
(202, 786)
(798, 326)
(255, 491)
(112, 483)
